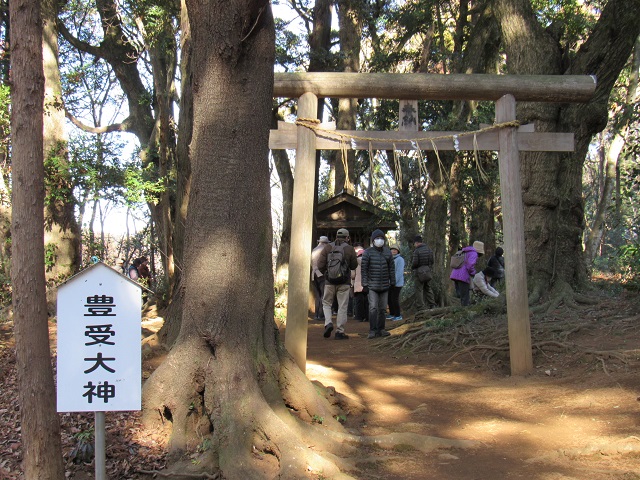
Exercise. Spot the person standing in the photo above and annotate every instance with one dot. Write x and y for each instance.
(336, 261)
(378, 275)
(422, 259)
(395, 313)
(133, 272)
(360, 294)
(144, 272)
(496, 262)
(317, 278)
(462, 276)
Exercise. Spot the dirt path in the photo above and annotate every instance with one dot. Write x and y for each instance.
(559, 423)
(576, 417)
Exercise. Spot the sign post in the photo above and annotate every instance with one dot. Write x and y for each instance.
(99, 353)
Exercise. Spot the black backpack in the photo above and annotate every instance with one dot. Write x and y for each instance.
(338, 271)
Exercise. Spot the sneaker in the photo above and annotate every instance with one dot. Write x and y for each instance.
(372, 334)
(327, 330)
(384, 333)
(341, 336)
(389, 317)
(397, 319)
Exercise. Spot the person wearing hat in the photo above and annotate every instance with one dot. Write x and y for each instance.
(463, 276)
(394, 292)
(317, 278)
(339, 289)
(378, 275)
(422, 256)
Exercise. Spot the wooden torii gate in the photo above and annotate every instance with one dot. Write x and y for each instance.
(509, 141)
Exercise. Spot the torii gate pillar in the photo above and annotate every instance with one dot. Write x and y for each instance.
(520, 354)
(302, 222)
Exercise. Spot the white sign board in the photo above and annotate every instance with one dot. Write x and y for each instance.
(99, 344)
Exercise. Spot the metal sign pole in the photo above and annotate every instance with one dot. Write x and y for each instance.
(100, 447)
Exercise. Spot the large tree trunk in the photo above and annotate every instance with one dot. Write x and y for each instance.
(62, 232)
(228, 377)
(39, 425)
(349, 17)
(552, 183)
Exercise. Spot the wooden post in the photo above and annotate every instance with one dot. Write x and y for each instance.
(513, 219)
(302, 222)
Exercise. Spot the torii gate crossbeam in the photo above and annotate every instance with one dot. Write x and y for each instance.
(505, 90)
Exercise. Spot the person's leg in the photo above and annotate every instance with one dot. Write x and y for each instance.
(393, 302)
(464, 294)
(327, 302)
(343, 305)
(399, 310)
(419, 299)
(318, 283)
(429, 295)
(357, 306)
(456, 284)
(392, 305)
(383, 298)
(373, 311)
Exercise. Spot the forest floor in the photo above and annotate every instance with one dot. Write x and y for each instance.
(576, 417)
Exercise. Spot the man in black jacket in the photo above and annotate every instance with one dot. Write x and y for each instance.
(378, 275)
(337, 289)
(422, 255)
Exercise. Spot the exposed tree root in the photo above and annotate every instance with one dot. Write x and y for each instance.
(482, 329)
(158, 473)
(562, 294)
(278, 426)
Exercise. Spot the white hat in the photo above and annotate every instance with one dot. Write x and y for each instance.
(323, 239)
(479, 246)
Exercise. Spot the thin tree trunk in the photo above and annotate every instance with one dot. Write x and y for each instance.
(610, 174)
(39, 425)
(62, 231)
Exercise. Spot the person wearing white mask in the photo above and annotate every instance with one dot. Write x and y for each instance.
(378, 275)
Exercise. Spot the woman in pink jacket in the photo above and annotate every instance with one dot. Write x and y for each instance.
(463, 276)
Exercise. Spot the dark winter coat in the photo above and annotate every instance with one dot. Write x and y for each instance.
(497, 263)
(422, 255)
(378, 267)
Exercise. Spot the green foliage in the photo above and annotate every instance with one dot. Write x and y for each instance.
(142, 184)
(629, 263)
(291, 49)
(50, 256)
(57, 177)
(317, 419)
(5, 285)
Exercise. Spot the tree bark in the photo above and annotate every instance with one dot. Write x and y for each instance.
(552, 183)
(228, 377)
(62, 231)
(349, 18)
(40, 428)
